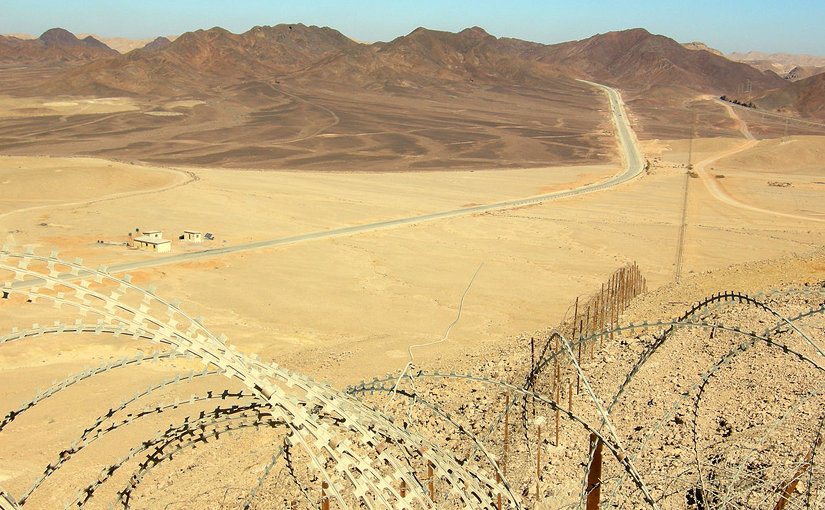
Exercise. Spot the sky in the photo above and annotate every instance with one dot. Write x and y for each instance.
(792, 26)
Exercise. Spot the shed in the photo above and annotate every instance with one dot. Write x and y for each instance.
(152, 234)
(153, 244)
(193, 236)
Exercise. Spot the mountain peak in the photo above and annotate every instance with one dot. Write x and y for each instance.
(95, 43)
(475, 31)
(159, 42)
(59, 37)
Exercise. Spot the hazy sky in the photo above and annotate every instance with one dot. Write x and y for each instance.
(729, 25)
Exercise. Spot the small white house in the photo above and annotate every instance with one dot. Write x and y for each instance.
(152, 234)
(193, 236)
(154, 244)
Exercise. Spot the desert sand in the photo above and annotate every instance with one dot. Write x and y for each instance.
(348, 308)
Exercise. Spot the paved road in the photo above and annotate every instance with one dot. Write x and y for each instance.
(632, 168)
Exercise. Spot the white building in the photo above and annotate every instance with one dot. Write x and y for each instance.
(155, 244)
(152, 234)
(193, 236)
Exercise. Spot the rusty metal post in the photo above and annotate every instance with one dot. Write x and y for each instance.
(579, 361)
(506, 430)
(324, 498)
(538, 466)
(556, 366)
(533, 370)
(570, 395)
(614, 305)
(575, 318)
(498, 497)
(601, 317)
(609, 306)
(558, 412)
(594, 474)
(790, 485)
(622, 289)
(431, 481)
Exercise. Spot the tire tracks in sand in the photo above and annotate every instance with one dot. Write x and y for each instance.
(718, 192)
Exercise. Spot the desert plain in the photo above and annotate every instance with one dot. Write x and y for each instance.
(726, 197)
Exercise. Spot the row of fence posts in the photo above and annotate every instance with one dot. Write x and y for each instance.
(601, 313)
(598, 315)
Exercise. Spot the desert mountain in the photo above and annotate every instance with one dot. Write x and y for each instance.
(801, 72)
(204, 59)
(124, 44)
(200, 61)
(781, 63)
(158, 43)
(700, 46)
(805, 98)
(426, 57)
(638, 60)
(55, 45)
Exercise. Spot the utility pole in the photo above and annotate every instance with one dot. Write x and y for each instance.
(690, 143)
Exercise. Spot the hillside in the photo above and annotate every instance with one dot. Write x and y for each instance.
(216, 57)
(55, 45)
(431, 57)
(805, 98)
(802, 72)
(700, 46)
(634, 60)
(157, 43)
(638, 60)
(125, 44)
(780, 63)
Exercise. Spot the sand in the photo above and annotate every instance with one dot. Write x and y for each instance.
(403, 284)
(346, 309)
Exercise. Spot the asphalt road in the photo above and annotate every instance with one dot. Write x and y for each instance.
(632, 168)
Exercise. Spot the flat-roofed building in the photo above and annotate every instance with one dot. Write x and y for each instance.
(193, 236)
(153, 244)
(152, 234)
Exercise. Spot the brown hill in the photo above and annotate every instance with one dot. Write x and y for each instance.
(802, 72)
(124, 44)
(805, 98)
(55, 45)
(160, 42)
(429, 57)
(700, 46)
(638, 60)
(205, 59)
(781, 63)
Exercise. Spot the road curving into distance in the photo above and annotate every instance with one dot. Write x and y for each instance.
(632, 167)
